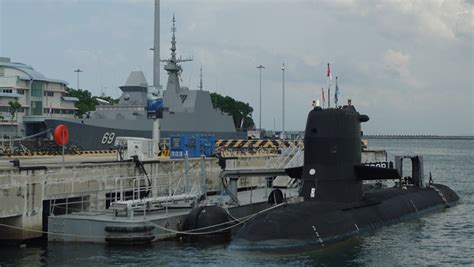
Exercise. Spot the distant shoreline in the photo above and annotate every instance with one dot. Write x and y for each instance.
(441, 137)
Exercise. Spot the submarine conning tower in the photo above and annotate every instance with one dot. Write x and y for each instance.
(332, 148)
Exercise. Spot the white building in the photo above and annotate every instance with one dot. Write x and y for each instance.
(40, 98)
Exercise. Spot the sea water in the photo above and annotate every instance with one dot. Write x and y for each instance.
(444, 238)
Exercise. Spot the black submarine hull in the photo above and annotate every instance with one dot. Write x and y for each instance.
(335, 206)
(319, 223)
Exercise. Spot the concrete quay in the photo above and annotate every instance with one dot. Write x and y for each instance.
(26, 192)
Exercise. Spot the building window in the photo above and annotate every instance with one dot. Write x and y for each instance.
(2, 71)
(20, 91)
(47, 93)
(7, 109)
(9, 91)
(67, 111)
(37, 89)
(36, 108)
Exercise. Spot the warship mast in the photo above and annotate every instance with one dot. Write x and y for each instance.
(200, 81)
(172, 66)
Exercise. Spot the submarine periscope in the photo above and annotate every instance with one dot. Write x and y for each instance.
(333, 204)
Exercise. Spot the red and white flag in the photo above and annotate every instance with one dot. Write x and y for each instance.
(329, 75)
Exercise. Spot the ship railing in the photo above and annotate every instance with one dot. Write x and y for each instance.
(135, 192)
(287, 154)
(236, 151)
(290, 157)
(262, 149)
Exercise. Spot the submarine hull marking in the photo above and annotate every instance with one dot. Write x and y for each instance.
(414, 205)
(318, 236)
(441, 195)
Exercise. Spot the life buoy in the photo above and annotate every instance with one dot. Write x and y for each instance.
(61, 134)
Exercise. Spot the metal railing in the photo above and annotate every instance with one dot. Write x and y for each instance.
(133, 191)
(287, 154)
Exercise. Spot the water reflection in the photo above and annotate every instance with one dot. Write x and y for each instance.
(442, 238)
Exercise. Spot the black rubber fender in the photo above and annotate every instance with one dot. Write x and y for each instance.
(206, 216)
(129, 229)
(276, 197)
(130, 239)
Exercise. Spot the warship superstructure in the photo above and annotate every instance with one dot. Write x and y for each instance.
(185, 111)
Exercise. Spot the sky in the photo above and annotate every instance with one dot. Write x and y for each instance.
(406, 64)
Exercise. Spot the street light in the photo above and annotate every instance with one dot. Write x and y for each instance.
(283, 89)
(260, 67)
(77, 71)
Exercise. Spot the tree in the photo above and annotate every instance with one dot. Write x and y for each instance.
(14, 107)
(241, 112)
(86, 102)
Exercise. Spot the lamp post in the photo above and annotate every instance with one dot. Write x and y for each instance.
(260, 67)
(283, 97)
(78, 71)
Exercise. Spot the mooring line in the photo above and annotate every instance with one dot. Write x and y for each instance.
(241, 221)
(190, 232)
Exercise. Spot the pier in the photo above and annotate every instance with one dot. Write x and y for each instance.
(88, 182)
(27, 191)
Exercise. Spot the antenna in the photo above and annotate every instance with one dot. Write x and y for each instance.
(200, 82)
(173, 58)
(173, 29)
(173, 40)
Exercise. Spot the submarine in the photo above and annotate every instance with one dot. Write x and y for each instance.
(333, 203)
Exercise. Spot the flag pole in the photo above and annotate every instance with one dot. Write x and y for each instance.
(322, 96)
(329, 86)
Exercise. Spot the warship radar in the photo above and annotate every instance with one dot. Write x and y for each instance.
(333, 202)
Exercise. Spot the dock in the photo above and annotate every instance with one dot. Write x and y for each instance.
(86, 184)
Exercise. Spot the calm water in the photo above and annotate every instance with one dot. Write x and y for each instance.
(443, 238)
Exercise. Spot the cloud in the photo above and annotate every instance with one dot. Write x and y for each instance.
(444, 19)
(397, 60)
(401, 63)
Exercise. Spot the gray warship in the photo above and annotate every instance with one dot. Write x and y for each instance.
(185, 111)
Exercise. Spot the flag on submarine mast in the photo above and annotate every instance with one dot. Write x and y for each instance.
(336, 95)
(329, 86)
